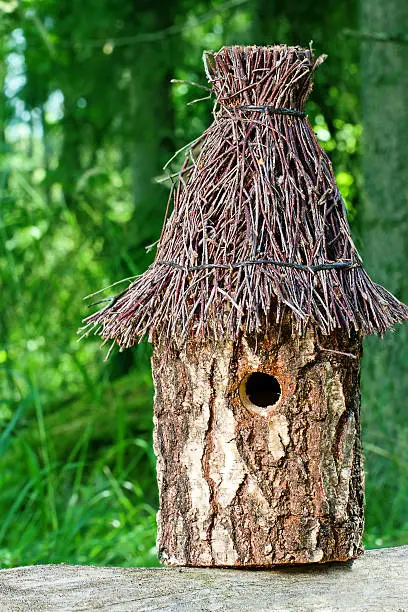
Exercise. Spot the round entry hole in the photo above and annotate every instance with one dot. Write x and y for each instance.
(259, 390)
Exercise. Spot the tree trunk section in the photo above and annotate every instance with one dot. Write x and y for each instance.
(244, 482)
(151, 112)
(384, 229)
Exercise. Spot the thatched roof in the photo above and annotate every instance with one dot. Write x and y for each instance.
(258, 226)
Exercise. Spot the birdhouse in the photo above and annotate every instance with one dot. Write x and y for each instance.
(256, 305)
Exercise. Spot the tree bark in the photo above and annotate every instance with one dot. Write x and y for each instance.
(384, 229)
(243, 484)
(151, 109)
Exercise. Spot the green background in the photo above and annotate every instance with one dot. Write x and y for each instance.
(87, 121)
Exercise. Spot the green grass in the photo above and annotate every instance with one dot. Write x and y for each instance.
(89, 498)
(77, 470)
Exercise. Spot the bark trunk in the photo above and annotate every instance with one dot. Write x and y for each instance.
(248, 477)
(384, 229)
(151, 110)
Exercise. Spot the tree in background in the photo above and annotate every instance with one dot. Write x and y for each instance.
(384, 227)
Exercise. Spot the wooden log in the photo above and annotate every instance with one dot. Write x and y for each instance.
(377, 581)
(258, 450)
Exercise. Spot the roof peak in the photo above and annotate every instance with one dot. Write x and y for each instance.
(277, 74)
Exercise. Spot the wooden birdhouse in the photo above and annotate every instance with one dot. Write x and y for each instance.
(256, 305)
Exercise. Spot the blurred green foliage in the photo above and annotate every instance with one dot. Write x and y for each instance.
(88, 120)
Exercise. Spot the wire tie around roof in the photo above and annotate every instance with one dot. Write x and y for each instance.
(328, 265)
(271, 110)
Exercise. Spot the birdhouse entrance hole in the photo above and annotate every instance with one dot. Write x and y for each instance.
(259, 390)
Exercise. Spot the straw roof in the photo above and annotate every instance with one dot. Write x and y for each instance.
(258, 226)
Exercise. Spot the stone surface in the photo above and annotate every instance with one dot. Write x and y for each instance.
(376, 581)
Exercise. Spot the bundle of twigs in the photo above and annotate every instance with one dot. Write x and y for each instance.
(258, 224)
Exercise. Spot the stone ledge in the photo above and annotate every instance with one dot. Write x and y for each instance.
(377, 581)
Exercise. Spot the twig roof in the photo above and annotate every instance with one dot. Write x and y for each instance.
(258, 225)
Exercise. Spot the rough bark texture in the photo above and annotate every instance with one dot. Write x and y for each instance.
(242, 485)
(384, 217)
(378, 581)
(385, 120)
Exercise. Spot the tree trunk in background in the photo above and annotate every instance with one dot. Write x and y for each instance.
(152, 125)
(151, 111)
(384, 219)
(250, 478)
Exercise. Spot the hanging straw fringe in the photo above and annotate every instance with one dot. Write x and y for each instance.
(258, 227)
